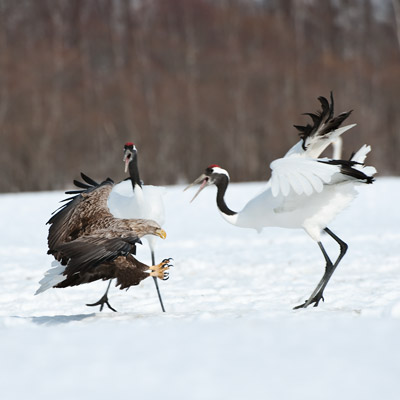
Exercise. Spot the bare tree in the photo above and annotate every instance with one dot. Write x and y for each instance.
(191, 82)
(396, 6)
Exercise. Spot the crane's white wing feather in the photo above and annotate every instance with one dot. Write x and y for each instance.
(300, 175)
(146, 203)
(317, 144)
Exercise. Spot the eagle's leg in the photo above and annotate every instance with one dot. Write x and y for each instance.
(103, 300)
(161, 270)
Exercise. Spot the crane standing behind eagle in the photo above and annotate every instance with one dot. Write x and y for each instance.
(89, 243)
(131, 198)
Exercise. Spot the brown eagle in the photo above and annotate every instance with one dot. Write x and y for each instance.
(89, 243)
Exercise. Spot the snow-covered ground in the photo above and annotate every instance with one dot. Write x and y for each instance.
(230, 331)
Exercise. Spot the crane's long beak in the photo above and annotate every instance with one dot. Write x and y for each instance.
(204, 180)
(127, 159)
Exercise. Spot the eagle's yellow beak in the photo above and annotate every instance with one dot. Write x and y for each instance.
(161, 233)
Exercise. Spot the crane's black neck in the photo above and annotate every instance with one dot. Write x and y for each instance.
(222, 185)
(134, 171)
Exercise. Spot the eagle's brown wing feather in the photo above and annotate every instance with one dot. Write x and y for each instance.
(76, 216)
(127, 270)
(104, 272)
(87, 252)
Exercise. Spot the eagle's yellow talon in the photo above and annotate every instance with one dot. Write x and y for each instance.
(160, 270)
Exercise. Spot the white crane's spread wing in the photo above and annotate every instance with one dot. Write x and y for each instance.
(300, 175)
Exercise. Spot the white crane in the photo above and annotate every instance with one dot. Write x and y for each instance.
(132, 199)
(304, 191)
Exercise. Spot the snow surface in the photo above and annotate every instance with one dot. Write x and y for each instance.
(230, 331)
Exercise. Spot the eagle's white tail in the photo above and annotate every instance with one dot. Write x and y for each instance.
(52, 277)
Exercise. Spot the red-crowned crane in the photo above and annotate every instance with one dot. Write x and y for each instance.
(304, 191)
(132, 199)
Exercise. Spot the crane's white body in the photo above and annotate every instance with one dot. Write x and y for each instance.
(144, 202)
(303, 192)
(312, 213)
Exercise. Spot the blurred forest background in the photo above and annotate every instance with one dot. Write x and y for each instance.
(190, 82)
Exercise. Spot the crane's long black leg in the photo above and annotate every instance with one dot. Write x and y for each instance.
(103, 300)
(343, 249)
(156, 283)
(318, 292)
(322, 282)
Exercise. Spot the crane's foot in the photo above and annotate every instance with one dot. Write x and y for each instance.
(316, 299)
(101, 302)
(160, 271)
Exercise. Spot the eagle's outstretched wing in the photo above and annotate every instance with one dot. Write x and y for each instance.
(78, 212)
